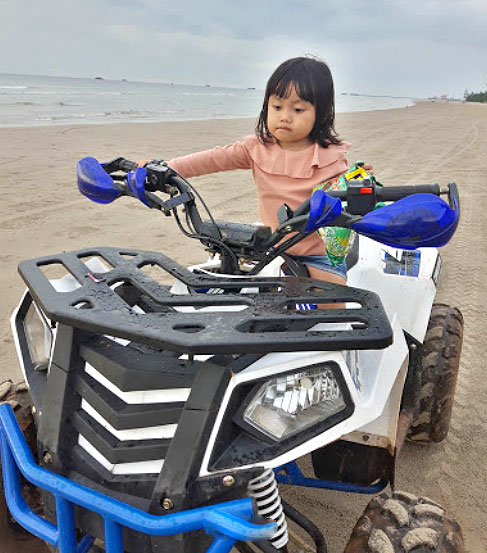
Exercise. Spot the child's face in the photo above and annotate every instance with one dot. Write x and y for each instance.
(290, 120)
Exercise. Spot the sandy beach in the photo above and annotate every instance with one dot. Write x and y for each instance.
(42, 213)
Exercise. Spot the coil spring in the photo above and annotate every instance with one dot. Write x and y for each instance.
(264, 491)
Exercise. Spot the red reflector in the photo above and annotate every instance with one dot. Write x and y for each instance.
(364, 190)
(95, 278)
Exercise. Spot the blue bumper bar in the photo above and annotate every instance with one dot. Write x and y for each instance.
(291, 474)
(227, 522)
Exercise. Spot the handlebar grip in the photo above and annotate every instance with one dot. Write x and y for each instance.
(383, 194)
(127, 165)
(393, 193)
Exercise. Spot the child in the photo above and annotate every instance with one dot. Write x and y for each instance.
(294, 149)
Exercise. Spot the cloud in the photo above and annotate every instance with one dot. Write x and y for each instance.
(381, 46)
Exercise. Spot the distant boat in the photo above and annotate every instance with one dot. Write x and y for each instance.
(251, 88)
(123, 80)
(98, 78)
(207, 85)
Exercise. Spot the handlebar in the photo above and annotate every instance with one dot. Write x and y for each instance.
(393, 193)
(234, 239)
(380, 193)
(361, 195)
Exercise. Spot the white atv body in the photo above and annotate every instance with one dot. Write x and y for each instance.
(374, 378)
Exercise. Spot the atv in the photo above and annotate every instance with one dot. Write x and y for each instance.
(163, 405)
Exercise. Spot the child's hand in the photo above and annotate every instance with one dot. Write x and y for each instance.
(369, 168)
(143, 162)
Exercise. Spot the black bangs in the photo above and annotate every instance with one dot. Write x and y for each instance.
(312, 80)
(298, 78)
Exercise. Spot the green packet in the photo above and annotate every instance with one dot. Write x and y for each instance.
(338, 241)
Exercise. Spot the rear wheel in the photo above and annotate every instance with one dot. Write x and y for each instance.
(405, 524)
(441, 361)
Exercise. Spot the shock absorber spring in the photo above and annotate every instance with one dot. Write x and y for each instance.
(263, 489)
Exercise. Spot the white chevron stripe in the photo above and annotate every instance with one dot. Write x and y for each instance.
(164, 431)
(139, 467)
(142, 396)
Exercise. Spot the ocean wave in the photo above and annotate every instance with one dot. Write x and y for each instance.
(65, 92)
(53, 118)
(207, 93)
(13, 86)
(95, 115)
(70, 104)
(130, 112)
(28, 92)
(71, 116)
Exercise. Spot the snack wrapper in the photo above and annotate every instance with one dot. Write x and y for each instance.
(338, 241)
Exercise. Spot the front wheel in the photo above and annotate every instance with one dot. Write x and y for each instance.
(405, 523)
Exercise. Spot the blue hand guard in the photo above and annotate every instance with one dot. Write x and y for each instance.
(94, 182)
(323, 209)
(417, 221)
(136, 182)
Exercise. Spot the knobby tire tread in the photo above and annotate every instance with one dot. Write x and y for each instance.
(405, 523)
(441, 361)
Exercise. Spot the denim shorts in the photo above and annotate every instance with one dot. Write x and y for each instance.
(323, 263)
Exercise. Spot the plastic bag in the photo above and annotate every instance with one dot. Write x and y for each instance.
(338, 241)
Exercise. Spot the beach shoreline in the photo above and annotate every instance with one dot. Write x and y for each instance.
(230, 118)
(43, 213)
(32, 101)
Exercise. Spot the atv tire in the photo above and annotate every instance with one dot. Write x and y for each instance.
(441, 361)
(405, 524)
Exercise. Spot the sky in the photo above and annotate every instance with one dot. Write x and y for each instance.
(417, 48)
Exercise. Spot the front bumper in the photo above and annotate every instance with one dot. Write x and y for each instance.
(227, 522)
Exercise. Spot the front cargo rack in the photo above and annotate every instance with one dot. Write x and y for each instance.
(248, 314)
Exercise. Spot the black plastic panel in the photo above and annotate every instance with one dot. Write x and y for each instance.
(121, 415)
(131, 369)
(270, 321)
(117, 451)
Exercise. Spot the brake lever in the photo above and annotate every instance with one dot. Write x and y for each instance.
(156, 203)
(295, 224)
(153, 200)
(112, 166)
(284, 213)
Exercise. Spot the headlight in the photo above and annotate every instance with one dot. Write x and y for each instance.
(38, 336)
(286, 405)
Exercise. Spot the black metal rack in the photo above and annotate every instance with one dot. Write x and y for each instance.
(269, 322)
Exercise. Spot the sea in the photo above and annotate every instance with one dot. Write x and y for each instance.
(31, 101)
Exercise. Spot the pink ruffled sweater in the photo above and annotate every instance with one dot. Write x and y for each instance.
(281, 176)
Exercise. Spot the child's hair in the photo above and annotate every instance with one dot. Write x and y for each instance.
(313, 82)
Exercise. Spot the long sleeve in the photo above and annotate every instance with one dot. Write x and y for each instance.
(281, 176)
(226, 158)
